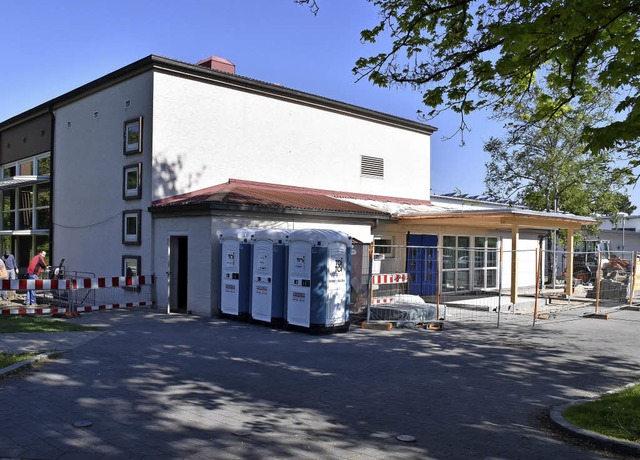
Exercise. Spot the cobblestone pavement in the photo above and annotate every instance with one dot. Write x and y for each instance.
(150, 385)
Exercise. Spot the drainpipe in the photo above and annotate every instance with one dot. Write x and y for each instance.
(51, 188)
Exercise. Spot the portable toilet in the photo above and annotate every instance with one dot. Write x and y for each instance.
(269, 276)
(318, 287)
(235, 286)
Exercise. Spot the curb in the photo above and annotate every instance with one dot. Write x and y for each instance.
(615, 445)
(26, 363)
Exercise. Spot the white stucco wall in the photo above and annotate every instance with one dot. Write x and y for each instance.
(201, 248)
(205, 134)
(204, 272)
(88, 166)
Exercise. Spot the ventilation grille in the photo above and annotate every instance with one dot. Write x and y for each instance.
(371, 167)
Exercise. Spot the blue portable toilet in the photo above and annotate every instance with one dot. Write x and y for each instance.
(269, 276)
(318, 287)
(235, 286)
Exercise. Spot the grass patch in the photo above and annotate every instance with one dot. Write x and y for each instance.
(7, 359)
(30, 323)
(615, 415)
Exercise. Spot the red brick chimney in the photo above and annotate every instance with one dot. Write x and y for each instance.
(218, 63)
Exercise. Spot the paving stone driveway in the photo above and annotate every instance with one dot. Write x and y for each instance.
(151, 385)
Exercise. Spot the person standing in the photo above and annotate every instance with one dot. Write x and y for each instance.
(12, 268)
(3, 276)
(10, 264)
(33, 272)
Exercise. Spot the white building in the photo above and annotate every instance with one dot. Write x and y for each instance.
(141, 170)
(623, 234)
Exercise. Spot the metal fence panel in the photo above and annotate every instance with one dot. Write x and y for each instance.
(416, 285)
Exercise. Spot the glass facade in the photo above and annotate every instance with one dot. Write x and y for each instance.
(466, 266)
(26, 207)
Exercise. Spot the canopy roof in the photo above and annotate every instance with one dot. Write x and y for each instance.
(249, 195)
(500, 218)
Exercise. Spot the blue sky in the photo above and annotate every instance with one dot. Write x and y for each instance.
(51, 47)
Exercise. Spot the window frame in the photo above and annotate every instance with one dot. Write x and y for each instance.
(129, 146)
(133, 260)
(127, 193)
(127, 238)
(385, 247)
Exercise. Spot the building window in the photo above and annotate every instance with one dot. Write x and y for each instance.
(131, 182)
(455, 264)
(131, 265)
(133, 136)
(25, 168)
(43, 166)
(485, 262)
(466, 267)
(9, 171)
(25, 208)
(131, 227)
(384, 246)
(43, 206)
(8, 209)
(371, 167)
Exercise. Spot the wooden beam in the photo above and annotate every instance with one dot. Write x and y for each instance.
(569, 273)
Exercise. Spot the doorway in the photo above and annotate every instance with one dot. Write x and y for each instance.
(178, 273)
(422, 263)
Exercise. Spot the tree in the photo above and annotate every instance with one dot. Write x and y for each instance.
(465, 55)
(546, 165)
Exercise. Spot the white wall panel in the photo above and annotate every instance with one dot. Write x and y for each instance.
(205, 134)
(88, 178)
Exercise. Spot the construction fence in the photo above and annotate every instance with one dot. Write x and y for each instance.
(417, 285)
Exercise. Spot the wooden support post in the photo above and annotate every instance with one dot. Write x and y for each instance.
(569, 270)
(538, 274)
(515, 237)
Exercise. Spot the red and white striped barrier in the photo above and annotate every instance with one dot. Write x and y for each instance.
(382, 300)
(40, 285)
(112, 306)
(67, 284)
(393, 278)
(34, 311)
(116, 281)
(83, 283)
(85, 308)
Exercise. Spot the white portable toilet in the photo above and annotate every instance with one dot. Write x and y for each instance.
(235, 286)
(318, 288)
(269, 276)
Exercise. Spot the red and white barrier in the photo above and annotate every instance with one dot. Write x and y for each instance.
(82, 283)
(75, 284)
(382, 300)
(34, 311)
(114, 306)
(393, 278)
(40, 285)
(116, 281)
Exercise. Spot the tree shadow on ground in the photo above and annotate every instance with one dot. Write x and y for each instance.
(177, 386)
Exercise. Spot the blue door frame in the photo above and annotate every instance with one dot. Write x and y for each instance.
(422, 263)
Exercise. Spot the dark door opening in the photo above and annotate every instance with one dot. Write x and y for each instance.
(178, 274)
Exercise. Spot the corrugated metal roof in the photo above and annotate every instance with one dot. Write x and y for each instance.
(275, 196)
(237, 194)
